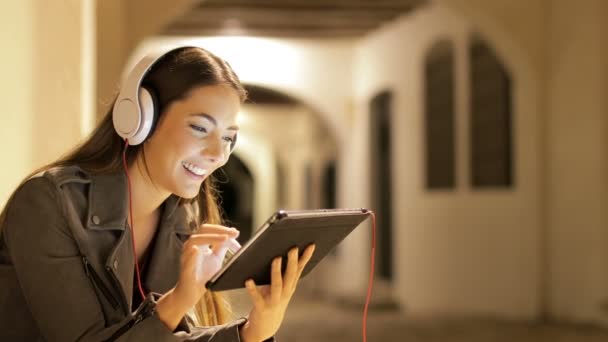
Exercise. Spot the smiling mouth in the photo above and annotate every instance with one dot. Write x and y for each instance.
(194, 170)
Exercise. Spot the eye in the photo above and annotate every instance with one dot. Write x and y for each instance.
(229, 139)
(199, 128)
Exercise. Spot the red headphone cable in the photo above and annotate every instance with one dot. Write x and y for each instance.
(371, 276)
(124, 161)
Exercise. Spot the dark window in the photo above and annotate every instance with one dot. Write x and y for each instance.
(381, 125)
(439, 116)
(308, 187)
(491, 123)
(329, 185)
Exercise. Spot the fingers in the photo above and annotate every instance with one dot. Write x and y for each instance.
(281, 285)
(291, 272)
(218, 229)
(256, 297)
(276, 280)
(205, 239)
(306, 256)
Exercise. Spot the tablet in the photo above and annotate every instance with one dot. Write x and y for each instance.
(282, 231)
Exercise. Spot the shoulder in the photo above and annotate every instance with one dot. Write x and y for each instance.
(36, 216)
(43, 191)
(39, 202)
(55, 177)
(62, 175)
(48, 182)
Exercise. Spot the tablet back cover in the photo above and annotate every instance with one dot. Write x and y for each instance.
(287, 229)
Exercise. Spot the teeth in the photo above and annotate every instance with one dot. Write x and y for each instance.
(194, 169)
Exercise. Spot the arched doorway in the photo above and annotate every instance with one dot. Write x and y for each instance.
(281, 161)
(235, 190)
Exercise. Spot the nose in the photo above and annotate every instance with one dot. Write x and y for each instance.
(213, 152)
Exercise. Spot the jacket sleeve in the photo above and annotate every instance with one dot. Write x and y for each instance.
(58, 292)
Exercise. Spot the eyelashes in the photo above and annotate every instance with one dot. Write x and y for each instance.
(199, 128)
(204, 130)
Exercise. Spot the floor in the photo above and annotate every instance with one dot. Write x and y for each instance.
(312, 320)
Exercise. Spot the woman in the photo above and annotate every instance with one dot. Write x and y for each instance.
(71, 232)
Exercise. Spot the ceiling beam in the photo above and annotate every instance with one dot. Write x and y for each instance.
(315, 4)
(270, 32)
(290, 18)
(271, 14)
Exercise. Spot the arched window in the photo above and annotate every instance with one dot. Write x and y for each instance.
(491, 122)
(439, 116)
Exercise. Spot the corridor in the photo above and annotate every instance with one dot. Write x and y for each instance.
(310, 320)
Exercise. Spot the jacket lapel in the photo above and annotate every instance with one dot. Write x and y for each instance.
(165, 258)
(107, 211)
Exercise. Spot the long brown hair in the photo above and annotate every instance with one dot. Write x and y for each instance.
(171, 78)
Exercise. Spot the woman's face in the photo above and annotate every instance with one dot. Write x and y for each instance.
(192, 139)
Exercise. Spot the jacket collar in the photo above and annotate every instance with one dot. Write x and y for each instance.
(107, 210)
(109, 205)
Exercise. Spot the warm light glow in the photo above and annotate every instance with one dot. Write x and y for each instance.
(254, 59)
(243, 118)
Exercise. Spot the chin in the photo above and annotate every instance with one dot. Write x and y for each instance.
(189, 195)
(187, 192)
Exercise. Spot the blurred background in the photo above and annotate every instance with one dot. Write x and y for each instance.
(476, 129)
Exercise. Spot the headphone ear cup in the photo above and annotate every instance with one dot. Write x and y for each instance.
(148, 105)
(125, 118)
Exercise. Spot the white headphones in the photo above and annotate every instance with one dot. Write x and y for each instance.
(135, 109)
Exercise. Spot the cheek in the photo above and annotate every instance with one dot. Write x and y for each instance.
(186, 147)
(173, 148)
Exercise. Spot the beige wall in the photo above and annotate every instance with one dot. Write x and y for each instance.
(113, 46)
(58, 91)
(577, 63)
(16, 93)
(44, 80)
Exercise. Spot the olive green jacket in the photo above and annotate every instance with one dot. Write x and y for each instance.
(66, 264)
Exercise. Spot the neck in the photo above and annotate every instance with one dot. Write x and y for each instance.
(146, 197)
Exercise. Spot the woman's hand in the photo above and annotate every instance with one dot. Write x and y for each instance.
(199, 257)
(270, 304)
(190, 287)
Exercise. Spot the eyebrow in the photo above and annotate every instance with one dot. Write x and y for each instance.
(212, 119)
